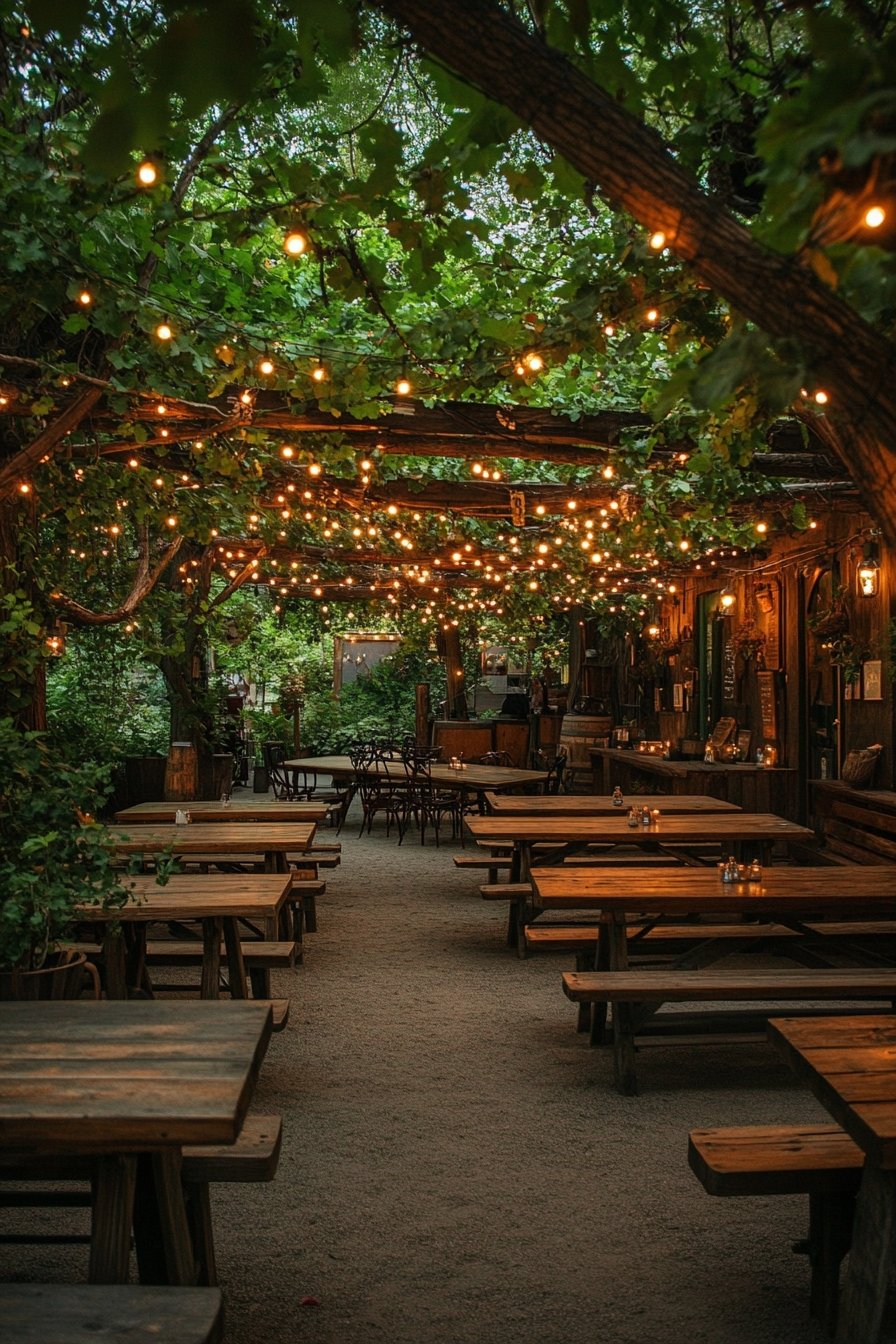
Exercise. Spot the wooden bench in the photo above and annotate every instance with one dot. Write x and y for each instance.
(637, 994)
(259, 956)
(254, 1156)
(856, 825)
(58, 1313)
(820, 1161)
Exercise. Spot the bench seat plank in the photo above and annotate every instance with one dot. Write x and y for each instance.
(56, 1313)
(775, 1159)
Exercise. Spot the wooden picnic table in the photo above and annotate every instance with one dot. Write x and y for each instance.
(757, 788)
(127, 1085)
(799, 909)
(271, 841)
(572, 834)
(848, 1064)
(218, 902)
(592, 805)
(472, 778)
(238, 809)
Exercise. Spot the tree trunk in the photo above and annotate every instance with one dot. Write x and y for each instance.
(628, 161)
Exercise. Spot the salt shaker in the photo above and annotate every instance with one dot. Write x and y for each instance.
(632, 817)
(755, 871)
(618, 800)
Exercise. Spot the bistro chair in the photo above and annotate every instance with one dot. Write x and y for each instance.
(280, 779)
(496, 758)
(378, 792)
(556, 766)
(430, 802)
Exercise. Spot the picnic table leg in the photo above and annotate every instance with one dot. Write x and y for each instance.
(161, 1227)
(211, 959)
(112, 1184)
(116, 964)
(236, 967)
(601, 963)
(624, 1075)
(523, 909)
(870, 1259)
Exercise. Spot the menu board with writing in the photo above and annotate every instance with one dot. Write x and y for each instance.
(768, 704)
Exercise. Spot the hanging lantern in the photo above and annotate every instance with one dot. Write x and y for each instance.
(868, 572)
(54, 640)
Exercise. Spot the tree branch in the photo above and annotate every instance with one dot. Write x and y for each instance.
(143, 585)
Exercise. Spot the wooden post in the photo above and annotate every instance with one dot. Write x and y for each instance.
(448, 644)
(421, 715)
(297, 729)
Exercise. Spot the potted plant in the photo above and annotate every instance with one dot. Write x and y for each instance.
(51, 862)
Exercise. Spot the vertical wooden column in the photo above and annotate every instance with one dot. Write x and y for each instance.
(448, 643)
(421, 715)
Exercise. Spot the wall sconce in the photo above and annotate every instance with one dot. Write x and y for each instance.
(868, 572)
(726, 602)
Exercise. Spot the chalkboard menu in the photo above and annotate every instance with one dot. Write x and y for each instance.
(768, 704)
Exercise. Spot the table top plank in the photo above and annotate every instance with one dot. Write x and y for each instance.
(472, 776)
(105, 1105)
(866, 890)
(594, 805)
(199, 896)
(670, 830)
(854, 1082)
(238, 809)
(659, 765)
(215, 838)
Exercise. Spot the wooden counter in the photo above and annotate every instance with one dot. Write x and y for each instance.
(755, 788)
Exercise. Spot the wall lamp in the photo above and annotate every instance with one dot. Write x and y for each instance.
(868, 572)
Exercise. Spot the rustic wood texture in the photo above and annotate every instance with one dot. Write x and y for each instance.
(775, 1159)
(55, 1313)
(108, 1077)
(187, 896)
(243, 809)
(722, 827)
(753, 787)
(849, 1066)
(717, 986)
(782, 891)
(471, 777)
(261, 838)
(580, 805)
(252, 1157)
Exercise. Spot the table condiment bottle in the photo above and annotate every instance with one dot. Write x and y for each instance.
(730, 872)
(755, 871)
(633, 817)
(618, 800)
(645, 816)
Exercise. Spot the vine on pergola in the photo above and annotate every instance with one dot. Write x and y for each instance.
(166, 367)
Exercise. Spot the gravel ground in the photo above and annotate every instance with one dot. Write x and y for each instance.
(456, 1165)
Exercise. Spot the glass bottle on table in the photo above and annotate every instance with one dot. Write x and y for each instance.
(618, 800)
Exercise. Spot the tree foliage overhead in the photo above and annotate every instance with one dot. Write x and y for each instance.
(490, 249)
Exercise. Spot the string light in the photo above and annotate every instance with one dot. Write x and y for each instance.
(85, 298)
(164, 332)
(265, 366)
(403, 387)
(533, 361)
(874, 217)
(295, 243)
(657, 241)
(319, 373)
(652, 315)
(147, 173)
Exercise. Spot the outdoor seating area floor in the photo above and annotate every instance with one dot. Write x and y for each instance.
(456, 1164)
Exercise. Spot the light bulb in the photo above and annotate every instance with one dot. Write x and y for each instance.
(319, 373)
(534, 362)
(295, 243)
(652, 315)
(266, 367)
(85, 298)
(609, 329)
(658, 240)
(286, 451)
(402, 387)
(147, 173)
(875, 217)
(315, 469)
(164, 332)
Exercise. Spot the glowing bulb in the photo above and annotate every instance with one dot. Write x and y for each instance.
(24, 488)
(608, 473)
(821, 398)
(875, 217)
(161, 408)
(287, 452)
(540, 510)
(609, 329)
(147, 173)
(365, 464)
(534, 362)
(762, 527)
(315, 469)
(172, 521)
(266, 367)
(164, 332)
(319, 373)
(684, 545)
(85, 298)
(658, 240)
(476, 468)
(652, 315)
(295, 243)
(402, 387)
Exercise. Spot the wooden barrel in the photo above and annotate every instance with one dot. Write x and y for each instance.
(181, 773)
(581, 732)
